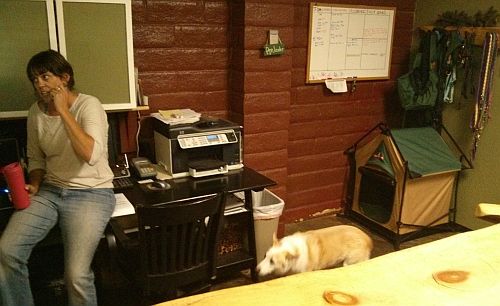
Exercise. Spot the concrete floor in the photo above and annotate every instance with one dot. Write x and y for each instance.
(118, 291)
(380, 245)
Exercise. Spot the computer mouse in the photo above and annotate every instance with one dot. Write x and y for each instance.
(159, 184)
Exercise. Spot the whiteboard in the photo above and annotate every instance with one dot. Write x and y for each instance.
(349, 42)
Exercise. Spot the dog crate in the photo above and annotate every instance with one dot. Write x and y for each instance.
(402, 181)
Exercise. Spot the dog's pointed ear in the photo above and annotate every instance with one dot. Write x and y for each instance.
(275, 239)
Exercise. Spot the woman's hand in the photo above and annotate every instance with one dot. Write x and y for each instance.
(61, 97)
(32, 190)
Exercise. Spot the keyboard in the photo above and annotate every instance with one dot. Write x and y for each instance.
(122, 183)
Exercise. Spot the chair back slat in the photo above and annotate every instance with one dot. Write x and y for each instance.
(190, 243)
(182, 242)
(177, 241)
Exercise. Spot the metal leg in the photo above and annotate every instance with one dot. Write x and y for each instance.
(252, 249)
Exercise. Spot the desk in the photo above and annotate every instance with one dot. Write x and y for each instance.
(244, 180)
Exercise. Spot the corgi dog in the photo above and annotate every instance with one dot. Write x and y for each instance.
(316, 250)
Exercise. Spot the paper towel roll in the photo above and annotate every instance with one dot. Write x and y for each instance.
(15, 180)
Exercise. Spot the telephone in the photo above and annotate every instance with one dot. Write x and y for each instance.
(143, 167)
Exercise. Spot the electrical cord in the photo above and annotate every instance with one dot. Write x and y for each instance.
(138, 131)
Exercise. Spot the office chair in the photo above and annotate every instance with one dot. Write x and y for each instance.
(175, 252)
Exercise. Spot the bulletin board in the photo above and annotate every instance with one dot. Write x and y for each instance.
(349, 42)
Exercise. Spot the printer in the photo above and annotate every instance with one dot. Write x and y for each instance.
(207, 147)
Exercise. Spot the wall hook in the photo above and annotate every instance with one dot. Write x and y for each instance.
(353, 87)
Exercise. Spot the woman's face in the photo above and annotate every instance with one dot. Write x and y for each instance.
(45, 83)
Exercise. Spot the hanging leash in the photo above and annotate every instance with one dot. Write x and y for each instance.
(490, 76)
(483, 97)
(453, 45)
(468, 64)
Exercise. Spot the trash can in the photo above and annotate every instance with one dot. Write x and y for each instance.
(267, 208)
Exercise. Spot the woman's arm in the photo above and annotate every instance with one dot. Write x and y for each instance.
(82, 143)
(35, 178)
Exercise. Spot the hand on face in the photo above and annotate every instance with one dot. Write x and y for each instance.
(60, 96)
(53, 89)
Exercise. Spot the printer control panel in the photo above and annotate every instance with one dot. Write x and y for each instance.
(206, 139)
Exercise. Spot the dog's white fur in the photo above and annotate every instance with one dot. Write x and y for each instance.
(316, 250)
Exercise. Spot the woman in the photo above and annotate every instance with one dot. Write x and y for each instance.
(70, 183)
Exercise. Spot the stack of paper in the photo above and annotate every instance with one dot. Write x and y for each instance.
(123, 206)
(177, 116)
(234, 205)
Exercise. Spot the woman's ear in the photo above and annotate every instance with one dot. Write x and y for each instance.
(65, 79)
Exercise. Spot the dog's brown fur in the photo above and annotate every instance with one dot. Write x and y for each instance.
(316, 250)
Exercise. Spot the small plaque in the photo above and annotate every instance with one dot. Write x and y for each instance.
(274, 49)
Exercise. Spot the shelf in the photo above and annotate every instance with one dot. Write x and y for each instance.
(235, 261)
(138, 108)
(239, 217)
(141, 108)
(479, 31)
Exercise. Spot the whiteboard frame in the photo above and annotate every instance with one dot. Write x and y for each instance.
(359, 76)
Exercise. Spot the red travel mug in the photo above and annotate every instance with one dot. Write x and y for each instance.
(15, 180)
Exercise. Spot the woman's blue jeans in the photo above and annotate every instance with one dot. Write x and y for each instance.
(82, 215)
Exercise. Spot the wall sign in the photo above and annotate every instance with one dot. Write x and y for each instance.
(274, 49)
(274, 45)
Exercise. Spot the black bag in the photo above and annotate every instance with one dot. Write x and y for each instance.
(418, 88)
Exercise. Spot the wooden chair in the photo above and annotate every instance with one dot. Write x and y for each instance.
(175, 252)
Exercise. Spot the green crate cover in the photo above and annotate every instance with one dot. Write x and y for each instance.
(381, 159)
(425, 151)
